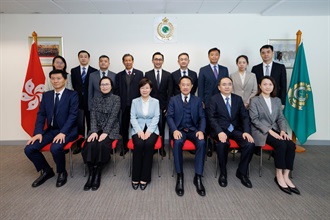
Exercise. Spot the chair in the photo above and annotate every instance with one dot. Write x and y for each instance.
(266, 147)
(113, 146)
(68, 146)
(187, 145)
(130, 146)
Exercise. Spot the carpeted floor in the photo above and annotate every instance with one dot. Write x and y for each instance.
(116, 199)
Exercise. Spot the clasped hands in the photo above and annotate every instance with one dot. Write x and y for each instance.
(95, 136)
(144, 135)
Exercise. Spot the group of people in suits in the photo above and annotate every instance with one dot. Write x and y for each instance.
(224, 109)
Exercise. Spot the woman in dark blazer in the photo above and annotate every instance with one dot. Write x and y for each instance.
(269, 126)
(246, 88)
(144, 119)
(104, 129)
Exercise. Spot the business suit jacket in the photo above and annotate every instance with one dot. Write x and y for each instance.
(176, 79)
(94, 87)
(175, 113)
(165, 90)
(121, 86)
(248, 89)
(262, 121)
(66, 115)
(278, 72)
(79, 86)
(207, 83)
(220, 119)
(139, 120)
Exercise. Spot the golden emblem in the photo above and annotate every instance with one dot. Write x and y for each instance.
(165, 30)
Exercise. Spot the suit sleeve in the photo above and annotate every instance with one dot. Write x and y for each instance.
(113, 115)
(155, 119)
(283, 84)
(202, 120)
(41, 117)
(244, 115)
(90, 92)
(201, 84)
(281, 121)
(211, 113)
(134, 122)
(255, 117)
(170, 116)
(71, 121)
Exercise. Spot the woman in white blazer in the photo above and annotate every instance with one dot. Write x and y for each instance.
(144, 120)
(244, 82)
(269, 126)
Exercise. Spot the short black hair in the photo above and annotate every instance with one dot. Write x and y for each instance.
(186, 77)
(144, 81)
(213, 49)
(184, 53)
(273, 93)
(106, 77)
(242, 56)
(64, 74)
(127, 55)
(157, 53)
(226, 77)
(104, 56)
(84, 51)
(267, 46)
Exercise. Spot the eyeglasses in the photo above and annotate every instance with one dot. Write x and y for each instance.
(105, 85)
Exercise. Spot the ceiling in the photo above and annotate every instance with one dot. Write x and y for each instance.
(261, 7)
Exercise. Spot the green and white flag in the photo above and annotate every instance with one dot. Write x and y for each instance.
(299, 107)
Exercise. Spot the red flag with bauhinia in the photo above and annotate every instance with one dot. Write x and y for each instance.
(34, 86)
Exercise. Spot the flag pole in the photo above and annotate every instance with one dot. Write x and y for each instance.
(299, 148)
(35, 37)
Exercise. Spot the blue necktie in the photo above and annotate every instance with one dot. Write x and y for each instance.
(184, 72)
(83, 75)
(231, 127)
(158, 79)
(267, 70)
(215, 71)
(57, 100)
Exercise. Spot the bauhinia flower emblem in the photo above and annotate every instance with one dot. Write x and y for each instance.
(32, 95)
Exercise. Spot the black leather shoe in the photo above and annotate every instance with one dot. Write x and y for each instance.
(284, 189)
(244, 179)
(209, 152)
(295, 190)
(90, 179)
(97, 180)
(199, 185)
(123, 152)
(257, 151)
(193, 152)
(61, 179)
(43, 177)
(162, 152)
(179, 185)
(135, 185)
(222, 180)
(77, 150)
(143, 186)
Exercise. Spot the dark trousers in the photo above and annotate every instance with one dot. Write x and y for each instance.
(246, 152)
(96, 152)
(125, 122)
(161, 126)
(199, 156)
(284, 152)
(32, 151)
(142, 157)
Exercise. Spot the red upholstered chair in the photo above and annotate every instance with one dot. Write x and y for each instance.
(68, 146)
(130, 146)
(266, 147)
(113, 146)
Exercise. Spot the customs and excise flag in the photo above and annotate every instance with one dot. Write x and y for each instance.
(33, 89)
(299, 107)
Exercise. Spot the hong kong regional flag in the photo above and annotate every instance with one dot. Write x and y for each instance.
(33, 88)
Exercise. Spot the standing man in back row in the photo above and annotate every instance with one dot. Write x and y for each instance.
(208, 80)
(162, 91)
(80, 78)
(127, 88)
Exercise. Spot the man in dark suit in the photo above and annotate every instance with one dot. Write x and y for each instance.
(208, 79)
(186, 120)
(59, 111)
(229, 119)
(95, 77)
(162, 91)
(183, 60)
(269, 68)
(273, 69)
(127, 89)
(80, 78)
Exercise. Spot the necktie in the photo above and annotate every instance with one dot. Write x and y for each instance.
(185, 99)
(184, 72)
(231, 127)
(129, 73)
(103, 74)
(83, 74)
(158, 79)
(267, 70)
(57, 100)
(215, 71)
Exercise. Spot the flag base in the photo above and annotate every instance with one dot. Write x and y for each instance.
(300, 149)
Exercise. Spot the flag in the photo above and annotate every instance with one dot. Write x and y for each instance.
(33, 88)
(299, 107)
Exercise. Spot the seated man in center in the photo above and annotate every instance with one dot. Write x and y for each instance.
(229, 119)
(186, 120)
